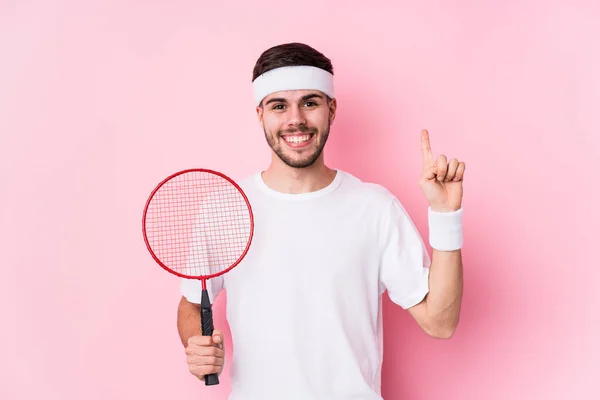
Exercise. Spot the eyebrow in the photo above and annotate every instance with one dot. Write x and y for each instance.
(304, 98)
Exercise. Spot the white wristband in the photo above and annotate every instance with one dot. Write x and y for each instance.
(445, 229)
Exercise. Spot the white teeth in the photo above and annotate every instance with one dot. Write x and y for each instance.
(297, 139)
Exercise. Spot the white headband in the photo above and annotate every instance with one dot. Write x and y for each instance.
(300, 77)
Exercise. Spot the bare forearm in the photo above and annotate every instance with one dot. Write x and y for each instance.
(188, 320)
(445, 291)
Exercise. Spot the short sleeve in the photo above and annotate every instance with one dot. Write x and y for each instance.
(191, 289)
(405, 262)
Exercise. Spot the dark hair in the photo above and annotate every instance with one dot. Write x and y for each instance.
(290, 54)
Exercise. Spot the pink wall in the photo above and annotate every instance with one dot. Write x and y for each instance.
(99, 100)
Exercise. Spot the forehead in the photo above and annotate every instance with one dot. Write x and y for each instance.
(293, 95)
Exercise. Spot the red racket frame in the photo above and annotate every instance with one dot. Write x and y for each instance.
(203, 278)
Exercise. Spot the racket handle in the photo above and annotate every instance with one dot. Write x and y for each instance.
(207, 330)
(212, 379)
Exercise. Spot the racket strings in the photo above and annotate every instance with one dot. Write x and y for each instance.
(198, 224)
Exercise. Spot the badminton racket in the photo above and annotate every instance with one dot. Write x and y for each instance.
(198, 224)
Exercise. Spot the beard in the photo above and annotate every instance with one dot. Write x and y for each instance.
(290, 160)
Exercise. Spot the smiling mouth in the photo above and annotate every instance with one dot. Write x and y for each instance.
(296, 139)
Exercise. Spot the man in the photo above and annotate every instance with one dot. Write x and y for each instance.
(304, 306)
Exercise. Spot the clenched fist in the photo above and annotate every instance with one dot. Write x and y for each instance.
(205, 354)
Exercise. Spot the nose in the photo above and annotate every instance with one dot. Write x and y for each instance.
(296, 116)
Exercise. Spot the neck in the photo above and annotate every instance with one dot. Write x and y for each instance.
(285, 179)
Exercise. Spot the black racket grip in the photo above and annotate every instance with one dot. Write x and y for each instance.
(207, 330)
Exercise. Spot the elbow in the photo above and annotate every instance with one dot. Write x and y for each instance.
(441, 329)
(445, 333)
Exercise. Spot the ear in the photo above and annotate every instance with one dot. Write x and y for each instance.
(259, 114)
(332, 109)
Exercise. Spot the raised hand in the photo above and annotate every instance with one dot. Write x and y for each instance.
(441, 181)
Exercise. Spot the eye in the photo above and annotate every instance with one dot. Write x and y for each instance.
(278, 107)
(311, 103)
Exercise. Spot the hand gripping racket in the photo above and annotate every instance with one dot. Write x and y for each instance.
(198, 224)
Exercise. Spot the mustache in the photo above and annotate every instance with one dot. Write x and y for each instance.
(299, 129)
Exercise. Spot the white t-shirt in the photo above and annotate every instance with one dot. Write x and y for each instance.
(304, 305)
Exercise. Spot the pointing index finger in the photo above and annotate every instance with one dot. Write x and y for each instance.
(426, 149)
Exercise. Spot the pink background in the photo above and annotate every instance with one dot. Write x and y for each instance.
(101, 99)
